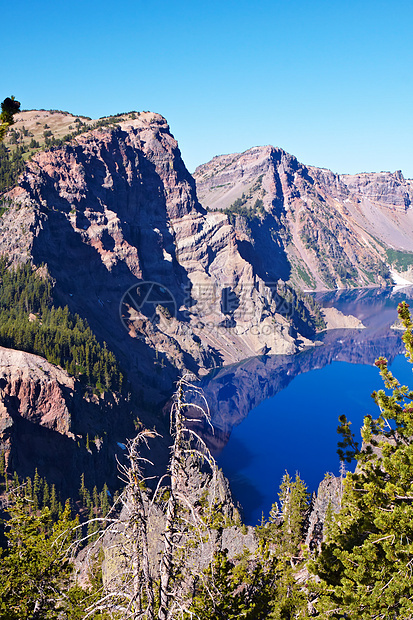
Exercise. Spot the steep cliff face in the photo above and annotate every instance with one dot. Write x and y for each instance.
(48, 422)
(116, 207)
(383, 188)
(318, 229)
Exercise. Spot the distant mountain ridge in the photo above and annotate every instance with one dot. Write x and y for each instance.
(319, 229)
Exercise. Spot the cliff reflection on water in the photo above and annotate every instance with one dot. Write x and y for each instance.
(297, 400)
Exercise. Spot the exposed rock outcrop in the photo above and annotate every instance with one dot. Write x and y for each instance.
(48, 422)
(328, 497)
(319, 229)
(34, 390)
(383, 188)
(335, 319)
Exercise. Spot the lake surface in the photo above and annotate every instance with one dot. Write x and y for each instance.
(280, 413)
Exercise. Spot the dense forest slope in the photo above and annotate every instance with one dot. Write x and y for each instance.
(318, 229)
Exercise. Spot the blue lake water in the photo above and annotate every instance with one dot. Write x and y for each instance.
(281, 413)
(296, 430)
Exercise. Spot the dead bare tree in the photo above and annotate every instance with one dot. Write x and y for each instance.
(133, 594)
(136, 532)
(187, 444)
(142, 591)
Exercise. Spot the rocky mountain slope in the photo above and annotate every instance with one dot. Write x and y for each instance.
(318, 229)
(116, 207)
(113, 215)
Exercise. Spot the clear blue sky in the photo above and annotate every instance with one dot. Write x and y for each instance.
(331, 82)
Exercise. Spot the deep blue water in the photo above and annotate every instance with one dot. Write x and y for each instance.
(296, 429)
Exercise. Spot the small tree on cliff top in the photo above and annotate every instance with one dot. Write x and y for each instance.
(366, 565)
(9, 107)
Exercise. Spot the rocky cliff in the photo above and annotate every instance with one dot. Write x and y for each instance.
(116, 207)
(48, 422)
(112, 214)
(319, 229)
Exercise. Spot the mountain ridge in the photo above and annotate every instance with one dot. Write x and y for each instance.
(332, 230)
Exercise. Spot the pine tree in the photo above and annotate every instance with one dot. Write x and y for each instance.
(9, 107)
(366, 564)
(29, 489)
(104, 500)
(46, 494)
(93, 525)
(82, 490)
(294, 500)
(36, 490)
(16, 481)
(35, 567)
(2, 464)
(54, 503)
(95, 498)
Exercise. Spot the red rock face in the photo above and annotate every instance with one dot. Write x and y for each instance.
(45, 418)
(34, 390)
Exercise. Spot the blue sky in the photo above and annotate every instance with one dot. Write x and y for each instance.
(330, 82)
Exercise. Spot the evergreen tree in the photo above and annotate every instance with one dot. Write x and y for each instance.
(95, 498)
(34, 567)
(294, 501)
(28, 489)
(36, 490)
(104, 500)
(366, 563)
(9, 107)
(82, 489)
(16, 481)
(54, 502)
(2, 464)
(93, 526)
(46, 494)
